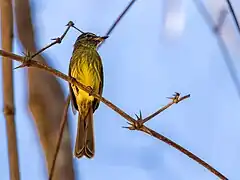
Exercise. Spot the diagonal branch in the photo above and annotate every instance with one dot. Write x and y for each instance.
(63, 122)
(57, 40)
(186, 152)
(119, 18)
(175, 99)
(233, 14)
(136, 124)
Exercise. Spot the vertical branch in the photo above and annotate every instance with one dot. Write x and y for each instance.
(46, 100)
(7, 35)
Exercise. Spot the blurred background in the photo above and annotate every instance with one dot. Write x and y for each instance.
(159, 47)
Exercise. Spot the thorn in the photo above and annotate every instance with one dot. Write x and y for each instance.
(177, 94)
(129, 123)
(21, 66)
(140, 113)
(125, 127)
(175, 97)
(27, 53)
(136, 116)
(130, 127)
(139, 117)
(58, 40)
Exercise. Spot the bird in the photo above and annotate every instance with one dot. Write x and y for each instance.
(86, 67)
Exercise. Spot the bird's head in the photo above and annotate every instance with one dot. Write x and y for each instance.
(90, 39)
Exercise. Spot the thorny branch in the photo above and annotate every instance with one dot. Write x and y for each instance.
(175, 99)
(135, 124)
(58, 40)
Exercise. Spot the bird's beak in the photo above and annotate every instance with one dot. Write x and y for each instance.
(101, 39)
(104, 37)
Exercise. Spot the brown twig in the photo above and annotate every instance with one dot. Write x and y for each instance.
(233, 14)
(186, 152)
(57, 40)
(135, 124)
(8, 94)
(176, 99)
(63, 122)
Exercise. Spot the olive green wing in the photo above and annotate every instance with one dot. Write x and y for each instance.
(72, 96)
(100, 68)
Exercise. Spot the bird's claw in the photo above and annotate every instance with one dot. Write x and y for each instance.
(175, 97)
(90, 89)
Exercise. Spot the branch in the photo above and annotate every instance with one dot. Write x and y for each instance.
(175, 99)
(57, 40)
(119, 18)
(135, 124)
(63, 122)
(186, 152)
(233, 14)
(8, 93)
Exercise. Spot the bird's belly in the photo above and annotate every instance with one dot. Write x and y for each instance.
(87, 76)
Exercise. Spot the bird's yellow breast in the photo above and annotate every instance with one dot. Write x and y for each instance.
(87, 74)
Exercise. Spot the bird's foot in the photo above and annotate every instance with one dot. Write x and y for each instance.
(90, 90)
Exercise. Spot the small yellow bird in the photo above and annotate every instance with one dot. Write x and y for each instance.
(86, 67)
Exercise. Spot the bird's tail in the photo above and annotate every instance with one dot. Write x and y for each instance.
(85, 136)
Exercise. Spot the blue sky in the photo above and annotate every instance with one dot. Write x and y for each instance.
(142, 66)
